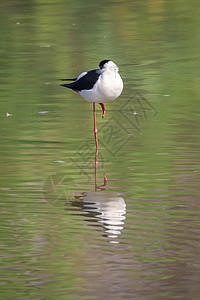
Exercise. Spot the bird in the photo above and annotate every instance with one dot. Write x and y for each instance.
(98, 86)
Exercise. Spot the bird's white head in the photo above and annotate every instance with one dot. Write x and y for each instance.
(108, 66)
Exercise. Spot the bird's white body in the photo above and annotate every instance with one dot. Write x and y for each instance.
(98, 86)
(108, 87)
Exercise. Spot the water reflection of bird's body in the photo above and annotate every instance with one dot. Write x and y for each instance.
(98, 86)
(105, 207)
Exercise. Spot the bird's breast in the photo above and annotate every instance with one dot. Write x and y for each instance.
(107, 88)
(110, 86)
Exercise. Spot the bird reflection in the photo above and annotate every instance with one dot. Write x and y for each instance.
(106, 208)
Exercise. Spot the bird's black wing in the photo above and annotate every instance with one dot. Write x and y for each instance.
(86, 82)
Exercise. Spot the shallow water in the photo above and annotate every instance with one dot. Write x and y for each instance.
(137, 236)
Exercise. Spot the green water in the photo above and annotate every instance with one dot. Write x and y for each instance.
(137, 237)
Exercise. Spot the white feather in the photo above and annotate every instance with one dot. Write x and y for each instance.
(81, 75)
(108, 87)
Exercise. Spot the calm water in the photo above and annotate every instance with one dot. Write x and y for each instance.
(138, 235)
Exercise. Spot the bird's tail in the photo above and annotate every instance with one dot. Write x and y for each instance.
(68, 79)
(66, 85)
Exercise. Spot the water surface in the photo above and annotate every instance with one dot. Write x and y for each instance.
(137, 236)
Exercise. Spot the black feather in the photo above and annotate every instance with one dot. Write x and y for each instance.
(103, 62)
(68, 79)
(84, 83)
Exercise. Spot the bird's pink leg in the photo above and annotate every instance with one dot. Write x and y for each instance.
(96, 141)
(96, 163)
(105, 180)
(95, 127)
(103, 109)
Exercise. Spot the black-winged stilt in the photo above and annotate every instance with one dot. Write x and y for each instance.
(98, 86)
